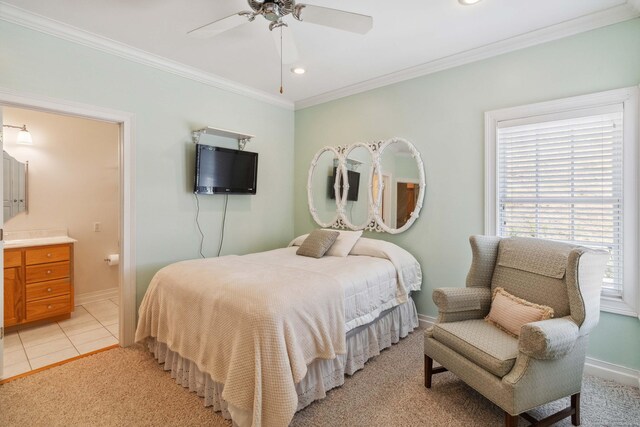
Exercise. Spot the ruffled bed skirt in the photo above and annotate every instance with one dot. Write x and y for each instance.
(363, 343)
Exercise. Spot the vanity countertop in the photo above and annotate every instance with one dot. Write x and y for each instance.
(40, 241)
(23, 239)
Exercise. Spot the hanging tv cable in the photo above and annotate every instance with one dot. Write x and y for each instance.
(198, 224)
(224, 220)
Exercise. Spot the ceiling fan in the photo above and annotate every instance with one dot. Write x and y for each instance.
(275, 10)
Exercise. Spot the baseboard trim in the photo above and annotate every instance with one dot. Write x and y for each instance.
(426, 321)
(611, 371)
(89, 297)
(595, 367)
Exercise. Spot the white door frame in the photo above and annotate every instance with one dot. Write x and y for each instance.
(127, 288)
(2, 326)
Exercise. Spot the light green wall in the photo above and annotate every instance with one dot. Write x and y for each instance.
(443, 114)
(166, 108)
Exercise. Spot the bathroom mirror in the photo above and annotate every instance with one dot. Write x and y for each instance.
(379, 186)
(357, 167)
(398, 185)
(15, 186)
(321, 189)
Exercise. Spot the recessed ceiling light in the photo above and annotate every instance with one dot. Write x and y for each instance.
(468, 2)
(298, 70)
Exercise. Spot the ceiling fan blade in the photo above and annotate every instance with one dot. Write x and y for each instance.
(340, 19)
(289, 53)
(220, 26)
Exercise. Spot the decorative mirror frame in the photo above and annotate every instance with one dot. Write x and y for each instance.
(342, 207)
(374, 220)
(415, 154)
(314, 212)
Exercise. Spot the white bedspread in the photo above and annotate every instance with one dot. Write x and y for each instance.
(255, 322)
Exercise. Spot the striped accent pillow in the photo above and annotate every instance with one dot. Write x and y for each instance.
(317, 243)
(509, 313)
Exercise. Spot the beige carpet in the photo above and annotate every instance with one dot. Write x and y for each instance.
(126, 387)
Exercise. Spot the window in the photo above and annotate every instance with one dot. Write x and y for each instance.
(567, 170)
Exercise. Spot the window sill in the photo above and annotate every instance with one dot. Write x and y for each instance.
(617, 306)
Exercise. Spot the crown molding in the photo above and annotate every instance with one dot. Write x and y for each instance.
(610, 16)
(36, 22)
(67, 32)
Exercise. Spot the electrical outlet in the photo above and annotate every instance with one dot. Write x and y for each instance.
(97, 227)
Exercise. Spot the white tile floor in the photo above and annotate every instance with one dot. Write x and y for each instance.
(91, 327)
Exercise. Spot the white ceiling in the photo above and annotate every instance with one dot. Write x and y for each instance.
(405, 34)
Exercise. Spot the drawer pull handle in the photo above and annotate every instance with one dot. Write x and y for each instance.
(48, 289)
(49, 306)
(48, 271)
(48, 255)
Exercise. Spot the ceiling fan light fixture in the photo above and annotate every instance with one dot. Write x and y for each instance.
(272, 12)
(468, 2)
(276, 11)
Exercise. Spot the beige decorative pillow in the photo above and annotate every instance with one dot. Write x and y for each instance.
(317, 243)
(509, 313)
(344, 243)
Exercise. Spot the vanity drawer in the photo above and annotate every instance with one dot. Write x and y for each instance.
(48, 307)
(48, 289)
(41, 255)
(54, 270)
(12, 258)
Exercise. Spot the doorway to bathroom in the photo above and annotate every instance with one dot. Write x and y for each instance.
(62, 229)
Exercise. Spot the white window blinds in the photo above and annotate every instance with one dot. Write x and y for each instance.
(562, 179)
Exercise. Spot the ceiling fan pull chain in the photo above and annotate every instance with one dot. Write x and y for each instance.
(281, 60)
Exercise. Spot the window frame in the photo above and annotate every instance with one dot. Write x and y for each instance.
(629, 304)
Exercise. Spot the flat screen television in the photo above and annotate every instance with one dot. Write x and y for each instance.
(354, 185)
(225, 171)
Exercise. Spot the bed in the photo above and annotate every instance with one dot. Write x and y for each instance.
(263, 335)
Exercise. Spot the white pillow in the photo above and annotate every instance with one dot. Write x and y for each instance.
(298, 240)
(344, 243)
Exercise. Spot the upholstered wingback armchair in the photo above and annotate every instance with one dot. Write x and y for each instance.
(546, 361)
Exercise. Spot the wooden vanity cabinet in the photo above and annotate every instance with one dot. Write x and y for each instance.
(38, 283)
(14, 298)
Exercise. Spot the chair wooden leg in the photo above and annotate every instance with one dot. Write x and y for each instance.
(510, 420)
(573, 410)
(575, 405)
(428, 371)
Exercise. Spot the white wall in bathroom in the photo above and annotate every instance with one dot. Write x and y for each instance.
(73, 183)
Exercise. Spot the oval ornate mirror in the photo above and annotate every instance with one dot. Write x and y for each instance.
(356, 201)
(398, 186)
(321, 188)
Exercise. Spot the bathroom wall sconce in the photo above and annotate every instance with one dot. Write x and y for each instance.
(24, 136)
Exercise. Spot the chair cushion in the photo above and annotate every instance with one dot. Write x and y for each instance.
(534, 270)
(480, 342)
(544, 257)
